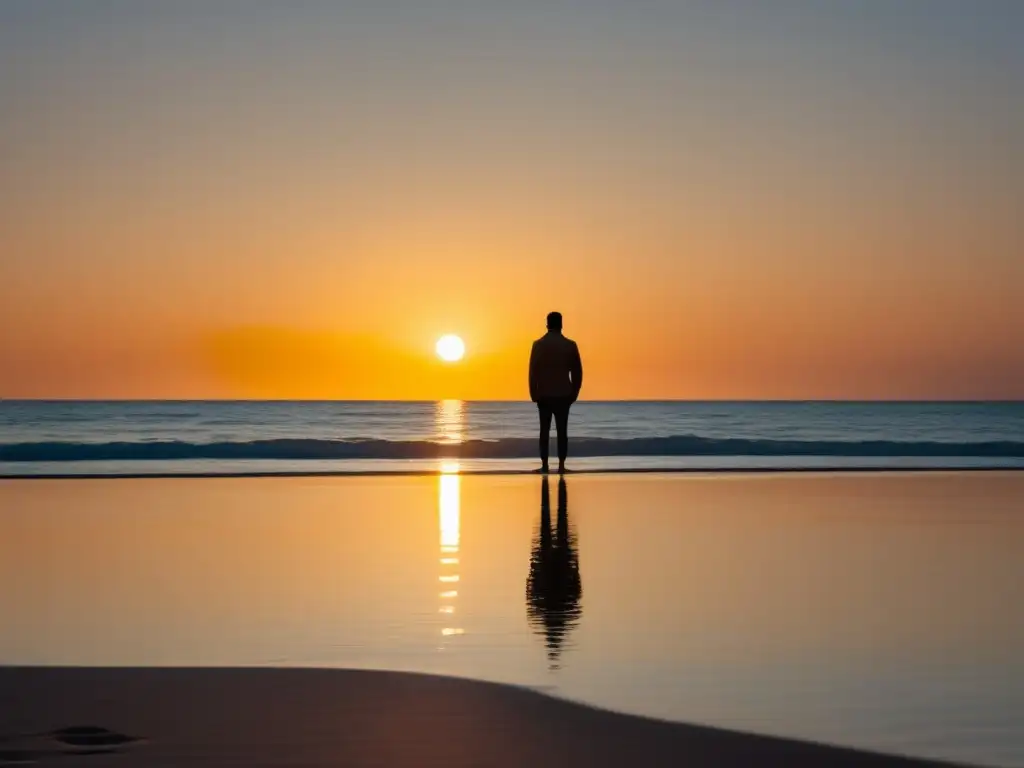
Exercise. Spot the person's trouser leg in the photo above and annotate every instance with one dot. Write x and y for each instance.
(544, 410)
(561, 414)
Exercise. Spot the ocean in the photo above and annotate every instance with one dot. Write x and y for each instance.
(256, 437)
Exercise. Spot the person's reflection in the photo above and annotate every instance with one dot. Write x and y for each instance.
(554, 588)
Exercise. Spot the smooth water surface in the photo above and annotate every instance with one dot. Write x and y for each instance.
(880, 611)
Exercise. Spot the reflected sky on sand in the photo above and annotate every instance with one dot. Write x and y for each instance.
(874, 610)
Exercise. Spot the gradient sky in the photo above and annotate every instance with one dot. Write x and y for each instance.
(726, 199)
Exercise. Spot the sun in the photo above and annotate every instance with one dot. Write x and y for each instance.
(450, 348)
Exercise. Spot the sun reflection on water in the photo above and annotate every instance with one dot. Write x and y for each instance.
(449, 421)
(449, 524)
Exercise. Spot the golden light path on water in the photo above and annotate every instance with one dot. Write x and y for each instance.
(448, 519)
(449, 418)
(449, 421)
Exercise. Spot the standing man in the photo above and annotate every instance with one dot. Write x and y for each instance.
(556, 375)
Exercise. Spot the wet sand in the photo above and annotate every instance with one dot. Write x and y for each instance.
(283, 717)
(859, 610)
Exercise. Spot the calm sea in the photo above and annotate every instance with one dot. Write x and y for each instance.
(210, 437)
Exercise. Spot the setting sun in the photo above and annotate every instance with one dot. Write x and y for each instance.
(450, 348)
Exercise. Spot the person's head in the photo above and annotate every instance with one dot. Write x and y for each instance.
(554, 321)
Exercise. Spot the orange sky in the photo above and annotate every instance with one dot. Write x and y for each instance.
(259, 206)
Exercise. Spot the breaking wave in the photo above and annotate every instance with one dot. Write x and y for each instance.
(506, 448)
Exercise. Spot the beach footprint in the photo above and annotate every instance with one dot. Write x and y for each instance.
(72, 741)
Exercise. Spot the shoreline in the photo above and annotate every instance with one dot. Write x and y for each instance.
(307, 716)
(825, 470)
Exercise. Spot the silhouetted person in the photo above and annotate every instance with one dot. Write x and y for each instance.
(554, 587)
(556, 375)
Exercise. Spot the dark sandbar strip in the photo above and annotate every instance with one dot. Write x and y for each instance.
(283, 717)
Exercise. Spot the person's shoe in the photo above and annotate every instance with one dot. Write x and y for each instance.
(543, 470)
(561, 469)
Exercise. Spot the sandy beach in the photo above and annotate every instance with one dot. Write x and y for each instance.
(275, 717)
